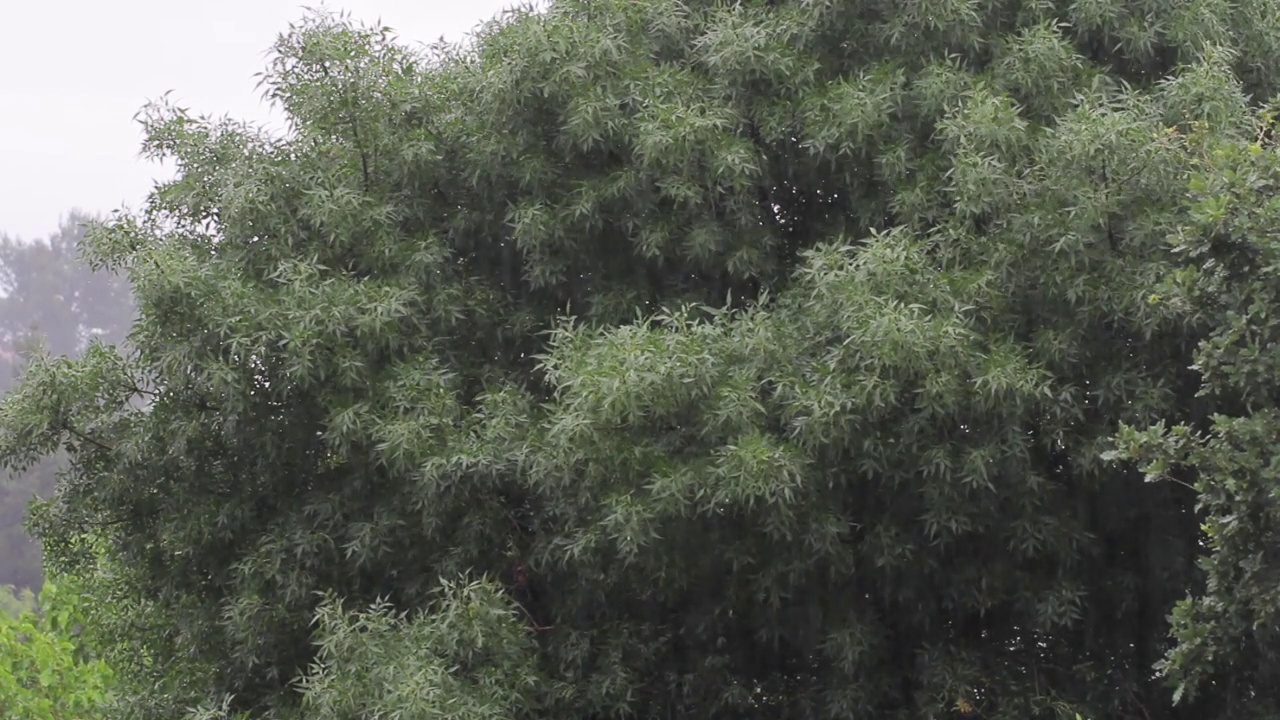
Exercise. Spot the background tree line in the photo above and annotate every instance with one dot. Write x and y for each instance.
(51, 301)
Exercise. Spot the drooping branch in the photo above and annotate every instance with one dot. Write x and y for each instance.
(67, 428)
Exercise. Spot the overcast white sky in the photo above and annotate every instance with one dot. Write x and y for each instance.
(74, 72)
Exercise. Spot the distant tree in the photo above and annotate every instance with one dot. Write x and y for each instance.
(50, 292)
(692, 359)
(14, 601)
(19, 552)
(52, 302)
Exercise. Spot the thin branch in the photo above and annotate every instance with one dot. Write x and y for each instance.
(85, 438)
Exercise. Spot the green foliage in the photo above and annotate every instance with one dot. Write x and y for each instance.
(762, 356)
(465, 656)
(45, 671)
(1229, 283)
(52, 302)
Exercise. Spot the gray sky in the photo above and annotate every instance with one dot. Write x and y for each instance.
(74, 72)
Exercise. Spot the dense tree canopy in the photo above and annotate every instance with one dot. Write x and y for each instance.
(662, 358)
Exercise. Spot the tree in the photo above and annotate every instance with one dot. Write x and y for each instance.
(1228, 283)
(45, 673)
(15, 601)
(49, 292)
(19, 553)
(753, 360)
(52, 300)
